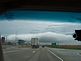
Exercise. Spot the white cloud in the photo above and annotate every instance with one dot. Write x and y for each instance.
(27, 27)
(46, 31)
(47, 37)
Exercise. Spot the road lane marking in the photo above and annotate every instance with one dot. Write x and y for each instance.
(56, 55)
(33, 51)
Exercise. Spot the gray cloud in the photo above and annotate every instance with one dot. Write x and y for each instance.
(27, 27)
(46, 31)
(47, 37)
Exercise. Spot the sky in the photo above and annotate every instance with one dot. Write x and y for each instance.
(47, 26)
(32, 27)
(43, 16)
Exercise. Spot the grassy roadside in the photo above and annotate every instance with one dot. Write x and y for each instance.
(75, 47)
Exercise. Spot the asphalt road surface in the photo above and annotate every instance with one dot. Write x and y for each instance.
(41, 54)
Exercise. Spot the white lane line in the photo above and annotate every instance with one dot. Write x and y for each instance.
(56, 55)
(33, 51)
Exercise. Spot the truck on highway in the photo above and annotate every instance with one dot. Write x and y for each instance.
(34, 42)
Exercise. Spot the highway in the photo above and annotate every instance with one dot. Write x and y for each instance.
(41, 54)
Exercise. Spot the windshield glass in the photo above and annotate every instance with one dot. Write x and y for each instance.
(40, 36)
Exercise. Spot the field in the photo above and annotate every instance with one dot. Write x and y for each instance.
(67, 46)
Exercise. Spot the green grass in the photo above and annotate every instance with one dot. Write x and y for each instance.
(65, 47)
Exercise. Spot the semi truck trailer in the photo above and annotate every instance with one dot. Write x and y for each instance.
(34, 42)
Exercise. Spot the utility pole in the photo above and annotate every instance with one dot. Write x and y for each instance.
(6, 41)
(1, 52)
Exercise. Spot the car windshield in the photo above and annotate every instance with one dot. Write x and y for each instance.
(40, 36)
